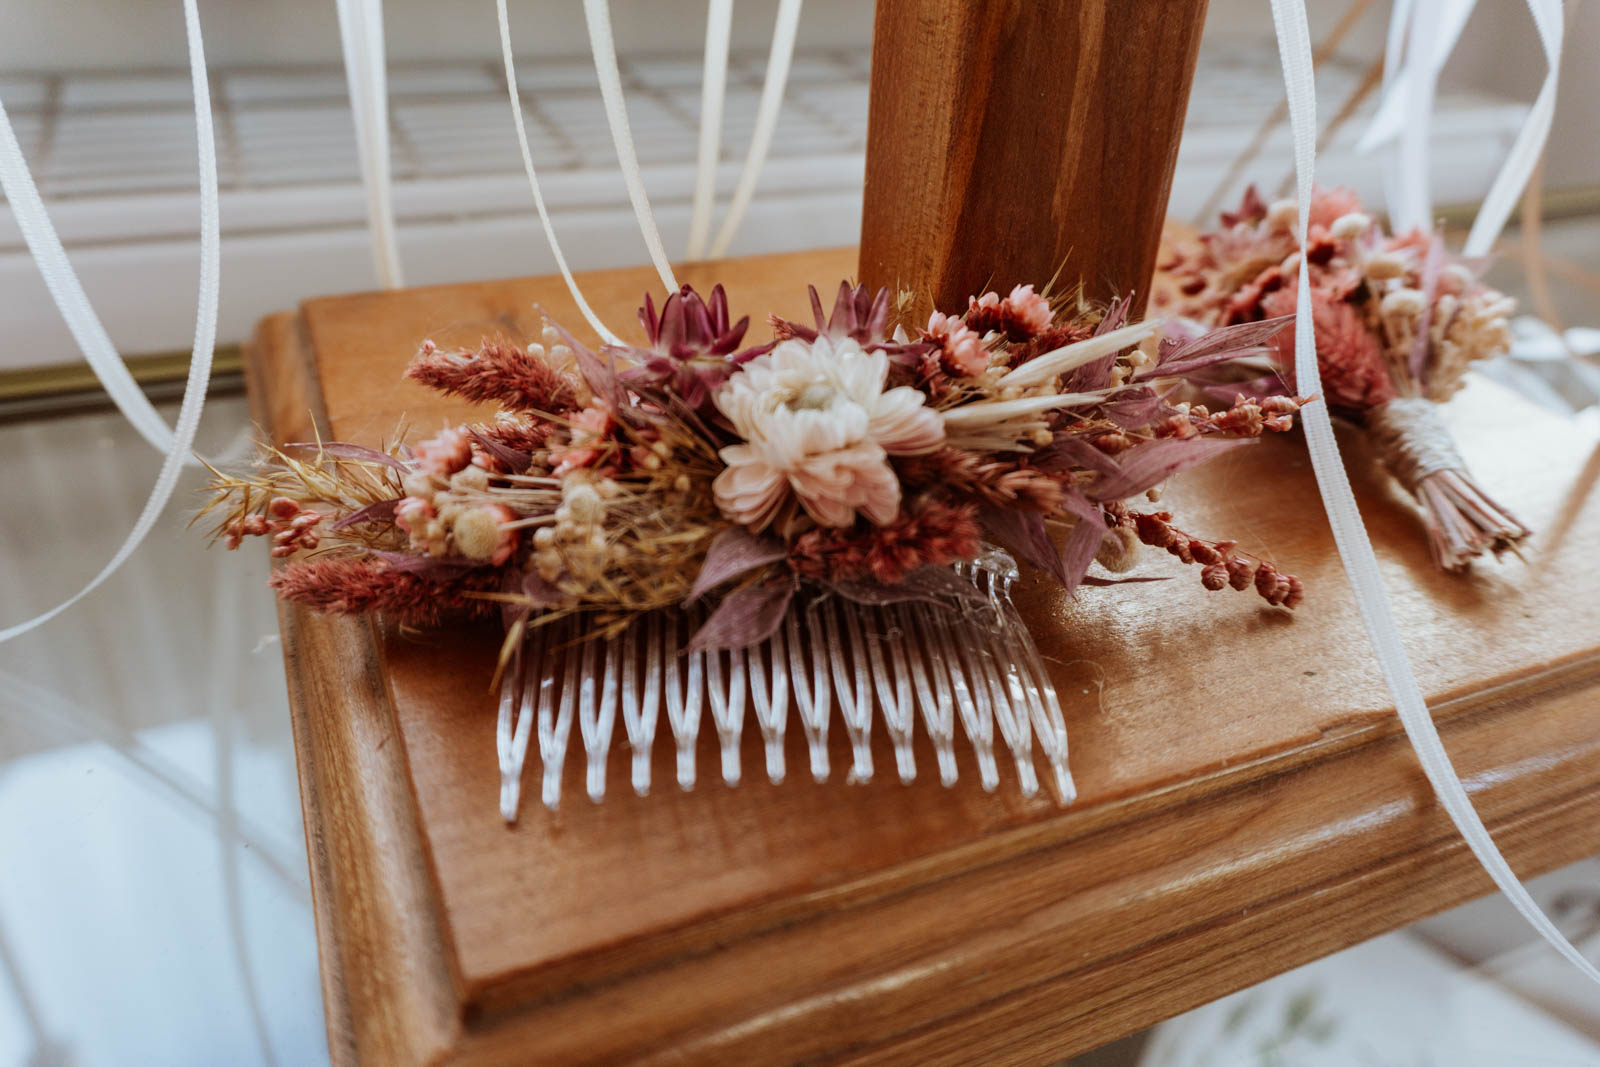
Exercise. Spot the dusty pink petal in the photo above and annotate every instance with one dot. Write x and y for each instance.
(749, 491)
(1029, 307)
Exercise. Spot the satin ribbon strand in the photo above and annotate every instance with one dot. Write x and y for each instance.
(533, 179)
(205, 329)
(361, 37)
(713, 92)
(597, 13)
(1344, 517)
(785, 30)
(27, 207)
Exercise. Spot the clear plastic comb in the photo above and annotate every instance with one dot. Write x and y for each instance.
(973, 666)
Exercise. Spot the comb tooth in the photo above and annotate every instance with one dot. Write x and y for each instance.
(772, 706)
(894, 691)
(727, 694)
(555, 720)
(640, 732)
(972, 701)
(683, 706)
(514, 760)
(656, 652)
(1005, 689)
(814, 713)
(938, 710)
(855, 700)
(510, 770)
(1048, 722)
(597, 723)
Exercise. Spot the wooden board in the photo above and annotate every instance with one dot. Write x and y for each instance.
(1245, 802)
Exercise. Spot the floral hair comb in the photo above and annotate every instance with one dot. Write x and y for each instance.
(802, 523)
(1397, 320)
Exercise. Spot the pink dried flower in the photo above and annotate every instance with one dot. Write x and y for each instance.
(1349, 358)
(591, 432)
(961, 350)
(1024, 313)
(411, 513)
(445, 453)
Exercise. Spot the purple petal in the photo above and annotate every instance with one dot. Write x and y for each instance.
(733, 552)
(745, 617)
(381, 511)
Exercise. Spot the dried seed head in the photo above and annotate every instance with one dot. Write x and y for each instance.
(1214, 577)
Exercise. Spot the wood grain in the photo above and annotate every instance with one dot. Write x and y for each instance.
(1008, 140)
(1246, 804)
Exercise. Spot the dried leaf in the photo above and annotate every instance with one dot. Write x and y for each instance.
(733, 552)
(512, 459)
(379, 511)
(1082, 544)
(1024, 533)
(1218, 346)
(745, 617)
(437, 568)
(1149, 464)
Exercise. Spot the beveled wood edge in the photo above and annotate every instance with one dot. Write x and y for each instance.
(403, 1008)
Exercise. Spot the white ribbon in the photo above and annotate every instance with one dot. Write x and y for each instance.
(205, 326)
(361, 35)
(597, 13)
(67, 291)
(713, 90)
(1350, 535)
(784, 31)
(533, 180)
(1429, 30)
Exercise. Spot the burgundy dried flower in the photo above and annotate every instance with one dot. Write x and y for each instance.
(498, 372)
(692, 346)
(1222, 563)
(927, 533)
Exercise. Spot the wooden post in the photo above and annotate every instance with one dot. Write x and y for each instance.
(1008, 139)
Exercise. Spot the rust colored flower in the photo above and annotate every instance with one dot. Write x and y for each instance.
(499, 373)
(351, 586)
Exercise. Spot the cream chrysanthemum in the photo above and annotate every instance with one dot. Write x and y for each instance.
(817, 423)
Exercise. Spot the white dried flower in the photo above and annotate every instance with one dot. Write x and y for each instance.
(1283, 214)
(1403, 302)
(1349, 227)
(1385, 265)
(818, 425)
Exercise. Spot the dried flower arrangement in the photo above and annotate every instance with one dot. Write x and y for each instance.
(836, 457)
(1397, 319)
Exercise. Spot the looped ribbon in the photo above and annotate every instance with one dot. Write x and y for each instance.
(1349, 533)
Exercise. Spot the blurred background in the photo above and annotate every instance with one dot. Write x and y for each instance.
(154, 904)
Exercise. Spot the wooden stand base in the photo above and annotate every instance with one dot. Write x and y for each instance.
(1246, 802)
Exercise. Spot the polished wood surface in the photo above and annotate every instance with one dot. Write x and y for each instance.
(1246, 803)
(1008, 141)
